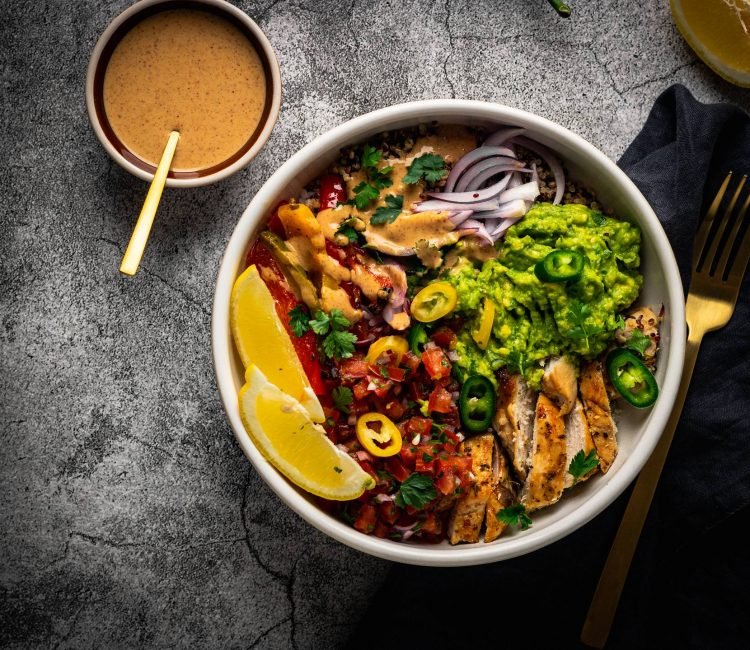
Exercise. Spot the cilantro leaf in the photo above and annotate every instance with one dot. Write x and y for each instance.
(346, 228)
(515, 515)
(619, 322)
(416, 491)
(342, 397)
(370, 156)
(388, 213)
(337, 469)
(578, 312)
(299, 321)
(380, 178)
(598, 219)
(582, 464)
(321, 323)
(338, 320)
(339, 345)
(364, 194)
(429, 166)
(517, 362)
(638, 342)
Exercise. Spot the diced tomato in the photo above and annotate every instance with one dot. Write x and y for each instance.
(440, 400)
(446, 483)
(396, 374)
(360, 389)
(382, 387)
(432, 525)
(411, 361)
(394, 409)
(274, 223)
(354, 368)
(436, 363)
(419, 425)
(425, 462)
(365, 522)
(444, 337)
(381, 530)
(396, 468)
(408, 455)
(332, 191)
(353, 291)
(335, 251)
(388, 512)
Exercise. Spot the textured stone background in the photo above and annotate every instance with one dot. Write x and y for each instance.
(128, 515)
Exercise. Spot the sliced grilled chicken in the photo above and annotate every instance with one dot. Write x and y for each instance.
(502, 494)
(647, 322)
(546, 478)
(559, 383)
(599, 413)
(514, 420)
(577, 438)
(467, 517)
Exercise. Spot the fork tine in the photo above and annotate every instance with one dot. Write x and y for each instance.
(737, 271)
(705, 226)
(725, 219)
(721, 268)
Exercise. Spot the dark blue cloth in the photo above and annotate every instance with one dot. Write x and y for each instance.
(689, 585)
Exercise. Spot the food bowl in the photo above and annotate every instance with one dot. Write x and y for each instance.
(120, 153)
(639, 431)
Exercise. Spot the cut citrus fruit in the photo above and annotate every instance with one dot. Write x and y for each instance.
(284, 433)
(261, 340)
(719, 32)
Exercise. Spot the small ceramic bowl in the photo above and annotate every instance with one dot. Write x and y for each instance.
(95, 85)
(639, 430)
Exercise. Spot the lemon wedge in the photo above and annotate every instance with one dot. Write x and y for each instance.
(284, 433)
(262, 341)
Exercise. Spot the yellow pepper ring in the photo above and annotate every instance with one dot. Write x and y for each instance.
(482, 335)
(383, 443)
(434, 301)
(397, 345)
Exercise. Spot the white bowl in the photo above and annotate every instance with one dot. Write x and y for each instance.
(95, 81)
(639, 430)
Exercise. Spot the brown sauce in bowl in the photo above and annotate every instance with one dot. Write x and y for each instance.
(187, 70)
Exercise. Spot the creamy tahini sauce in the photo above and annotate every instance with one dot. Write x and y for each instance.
(186, 70)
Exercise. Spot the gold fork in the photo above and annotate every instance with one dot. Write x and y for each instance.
(714, 287)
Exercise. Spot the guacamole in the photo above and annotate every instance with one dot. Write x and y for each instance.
(534, 319)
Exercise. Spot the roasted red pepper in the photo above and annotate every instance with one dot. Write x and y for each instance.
(332, 191)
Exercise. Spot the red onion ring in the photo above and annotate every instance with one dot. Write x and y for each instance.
(527, 192)
(459, 217)
(476, 196)
(498, 163)
(552, 162)
(441, 206)
(503, 135)
(480, 153)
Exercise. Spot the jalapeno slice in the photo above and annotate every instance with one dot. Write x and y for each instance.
(476, 403)
(434, 301)
(417, 338)
(562, 265)
(632, 379)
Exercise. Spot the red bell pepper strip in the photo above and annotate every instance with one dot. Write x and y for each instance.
(332, 191)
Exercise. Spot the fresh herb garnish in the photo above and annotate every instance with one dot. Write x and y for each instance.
(598, 219)
(619, 322)
(377, 179)
(578, 312)
(299, 320)
(388, 213)
(582, 464)
(517, 362)
(337, 469)
(342, 397)
(346, 228)
(429, 166)
(338, 343)
(370, 156)
(364, 194)
(426, 458)
(638, 342)
(416, 491)
(515, 515)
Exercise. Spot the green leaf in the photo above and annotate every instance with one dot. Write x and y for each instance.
(517, 362)
(416, 491)
(342, 398)
(321, 323)
(582, 464)
(370, 156)
(339, 345)
(426, 458)
(388, 213)
(515, 515)
(429, 166)
(346, 228)
(638, 342)
(619, 322)
(598, 219)
(299, 320)
(364, 194)
(380, 178)
(578, 312)
(338, 470)
(338, 320)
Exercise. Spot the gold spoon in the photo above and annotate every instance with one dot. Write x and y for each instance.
(138, 239)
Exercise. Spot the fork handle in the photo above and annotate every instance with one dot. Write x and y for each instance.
(603, 607)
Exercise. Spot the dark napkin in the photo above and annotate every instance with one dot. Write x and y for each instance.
(689, 583)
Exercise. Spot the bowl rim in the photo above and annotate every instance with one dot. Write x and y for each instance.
(266, 53)
(435, 555)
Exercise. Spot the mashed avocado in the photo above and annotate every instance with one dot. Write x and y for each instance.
(534, 319)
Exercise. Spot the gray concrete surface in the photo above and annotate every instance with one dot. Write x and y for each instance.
(128, 515)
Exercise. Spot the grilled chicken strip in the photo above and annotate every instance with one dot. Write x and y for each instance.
(467, 517)
(559, 383)
(502, 495)
(514, 420)
(599, 413)
(546, 478)
(577, 438)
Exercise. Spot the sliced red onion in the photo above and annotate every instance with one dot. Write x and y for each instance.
(476, 196)
(515, 180)
(512, 210)
(384, 498)
(474, 227)
(363, 456)
(503, 135)
(459, 217)
(365, 341)
(439, 205)
(486, 175)
(527, 192)
(502, 227)
(497, 163)
(550, 159)
(480, 153)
